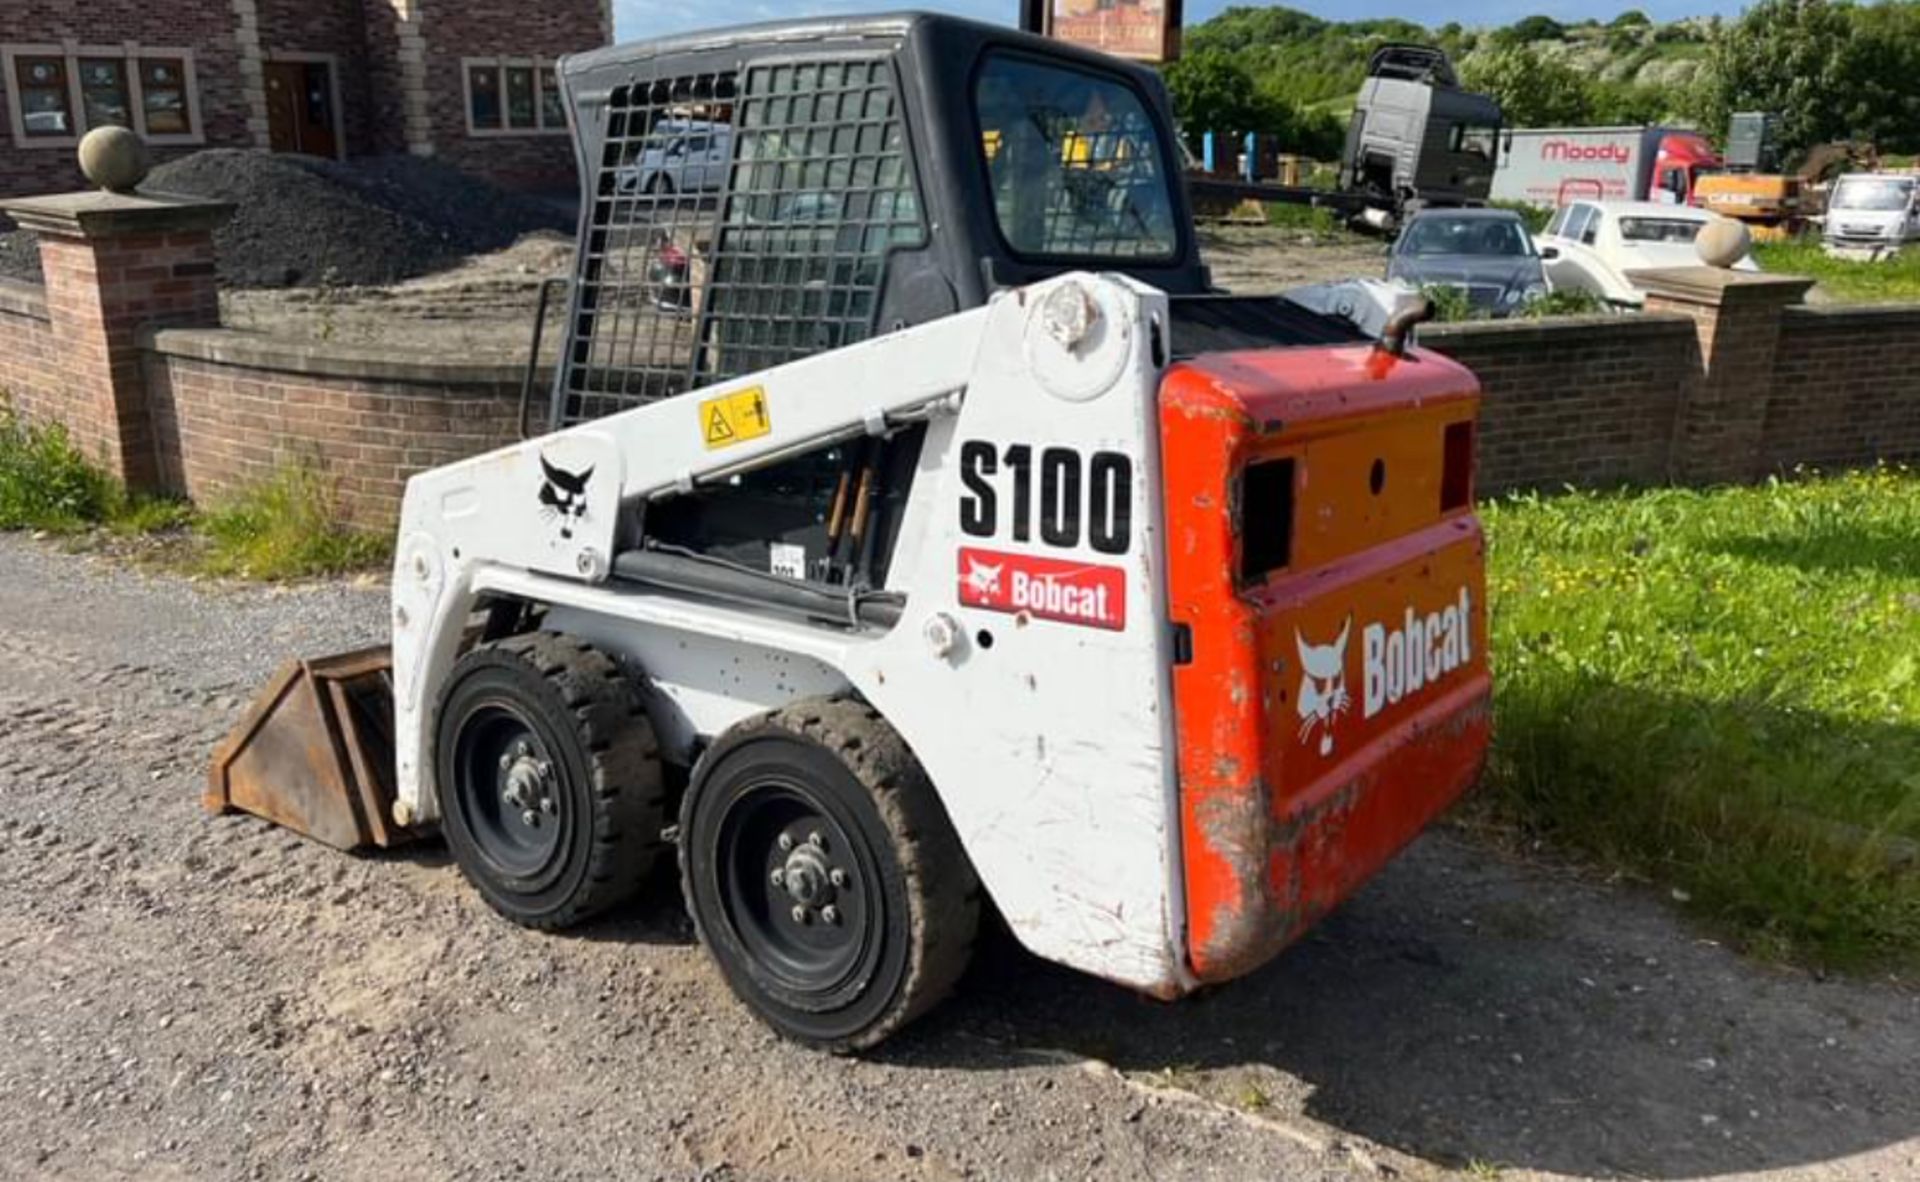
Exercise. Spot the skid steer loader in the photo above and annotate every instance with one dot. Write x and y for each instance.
(917, 530)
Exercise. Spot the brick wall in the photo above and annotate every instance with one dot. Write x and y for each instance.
(204, 26)
(1845, 386)
(459, 29)
(370, 56)
(1588, 401)
(230, 408)
(29, 351)
(338, 28)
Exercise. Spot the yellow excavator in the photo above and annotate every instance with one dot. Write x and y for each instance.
(1773, 202)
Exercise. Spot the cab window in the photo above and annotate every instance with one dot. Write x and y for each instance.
(1076, 166)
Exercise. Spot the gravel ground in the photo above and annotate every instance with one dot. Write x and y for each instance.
(183, 996)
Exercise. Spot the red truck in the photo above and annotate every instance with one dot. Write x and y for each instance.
(1551, 166)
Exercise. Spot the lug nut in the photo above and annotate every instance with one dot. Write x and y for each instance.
(830, 913)
(547, 806)
(506, 761)
(530, 817)
(837, 877)
(786, 841)
(816, 841)
(801, 915)
(779, 878)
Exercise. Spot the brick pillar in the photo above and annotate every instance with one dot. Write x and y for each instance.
(117, 265)
(1722, 412)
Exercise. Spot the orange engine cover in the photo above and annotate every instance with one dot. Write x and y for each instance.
(1325, 560)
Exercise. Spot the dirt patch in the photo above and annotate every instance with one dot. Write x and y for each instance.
(484, 306)
(481, 309)
(1255, 259)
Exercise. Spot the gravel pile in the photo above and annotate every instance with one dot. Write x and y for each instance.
(305, 222)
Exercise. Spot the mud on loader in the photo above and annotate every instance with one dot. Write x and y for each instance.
(917, 530)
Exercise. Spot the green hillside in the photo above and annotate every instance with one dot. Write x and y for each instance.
(1282, 71)
(1831, 70)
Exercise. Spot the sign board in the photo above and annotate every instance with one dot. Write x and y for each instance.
(1146, 30)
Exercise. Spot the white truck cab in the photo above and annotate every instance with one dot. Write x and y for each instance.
(1872, 214)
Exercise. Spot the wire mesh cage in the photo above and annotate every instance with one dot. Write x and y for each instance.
(740, 220)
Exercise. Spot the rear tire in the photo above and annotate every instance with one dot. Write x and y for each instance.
(549, 779)
(823, 876)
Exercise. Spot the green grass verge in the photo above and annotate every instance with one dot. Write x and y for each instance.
(1845, 280)
(48, 484)
(1721, 691)
(1310, 219)
(286, 527)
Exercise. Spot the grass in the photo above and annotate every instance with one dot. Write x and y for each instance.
(1322, 223)
(285, 527)
(288, 526)
(45, 481)
(1720, 691)
(1850, 281)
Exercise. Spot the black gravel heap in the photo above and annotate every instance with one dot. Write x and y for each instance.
(306, 222)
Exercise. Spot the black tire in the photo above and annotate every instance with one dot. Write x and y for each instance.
(557, 714)
(890, 866)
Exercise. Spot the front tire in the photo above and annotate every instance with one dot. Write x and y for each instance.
(823, 876)
(549, 779)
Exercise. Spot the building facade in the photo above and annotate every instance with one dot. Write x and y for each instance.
(468, 81)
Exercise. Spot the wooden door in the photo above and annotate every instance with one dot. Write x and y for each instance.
(300, 112)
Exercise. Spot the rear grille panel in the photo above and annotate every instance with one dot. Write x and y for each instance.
(737, 221)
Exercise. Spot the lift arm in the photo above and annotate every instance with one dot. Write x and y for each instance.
(556, 505)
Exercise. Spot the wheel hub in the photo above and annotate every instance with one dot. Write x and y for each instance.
(808, 878)
(526, 784)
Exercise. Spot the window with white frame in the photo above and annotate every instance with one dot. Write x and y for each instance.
(513, 96)
(58, 93)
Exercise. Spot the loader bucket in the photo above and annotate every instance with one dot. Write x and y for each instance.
(315, 753)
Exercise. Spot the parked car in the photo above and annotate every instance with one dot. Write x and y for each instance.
(1485, 253)
(1873, 213)
(680, 156)
(1596, 245)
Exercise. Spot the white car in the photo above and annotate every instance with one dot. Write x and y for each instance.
(1594, 245)
(680, 156)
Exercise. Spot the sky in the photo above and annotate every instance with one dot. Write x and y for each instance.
(638, 19)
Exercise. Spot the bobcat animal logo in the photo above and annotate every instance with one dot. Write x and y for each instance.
(983, 580)
(563, 496)
(1323, 685)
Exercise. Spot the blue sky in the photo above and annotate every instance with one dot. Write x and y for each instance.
(636, 19)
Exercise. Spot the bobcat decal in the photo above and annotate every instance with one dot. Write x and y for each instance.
(983, 579)
(563, 496)
(1323, 685)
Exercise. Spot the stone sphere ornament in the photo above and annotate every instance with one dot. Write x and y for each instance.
(1723, 242)
(114, 158)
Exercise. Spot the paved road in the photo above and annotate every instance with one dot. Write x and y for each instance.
(192, 997)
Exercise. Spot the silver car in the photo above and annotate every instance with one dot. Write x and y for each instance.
(1484, 253)
(688, 156)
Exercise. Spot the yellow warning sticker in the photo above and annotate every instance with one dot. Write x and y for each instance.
(730, 418)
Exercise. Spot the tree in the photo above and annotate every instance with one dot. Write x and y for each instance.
(1802, 60)
(1884, 60)
(1536, 28)
(1533, 91)
(1213, 91)
(1632, 18)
